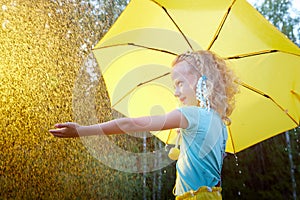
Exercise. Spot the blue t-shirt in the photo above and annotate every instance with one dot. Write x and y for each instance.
(201, 151)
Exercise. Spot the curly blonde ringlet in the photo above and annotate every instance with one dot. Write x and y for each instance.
(221, 80)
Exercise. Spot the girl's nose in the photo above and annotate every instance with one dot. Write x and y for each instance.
(176, 93)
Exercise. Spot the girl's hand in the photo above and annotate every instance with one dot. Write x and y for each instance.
(65, 130)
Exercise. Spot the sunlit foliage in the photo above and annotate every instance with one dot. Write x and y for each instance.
(283, 16)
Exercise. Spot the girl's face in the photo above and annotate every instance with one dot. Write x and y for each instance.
(185, 80)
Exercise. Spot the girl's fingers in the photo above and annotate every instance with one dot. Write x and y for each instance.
(66, 125)
(60, 135)
(64, 130)
(57, 130)
(63, 125)
(53, 131)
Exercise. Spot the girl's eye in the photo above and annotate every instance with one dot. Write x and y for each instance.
(178, 84)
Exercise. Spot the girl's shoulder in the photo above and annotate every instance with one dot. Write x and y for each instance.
(196, 109)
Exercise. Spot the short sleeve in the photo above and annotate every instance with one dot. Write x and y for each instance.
(192, 115)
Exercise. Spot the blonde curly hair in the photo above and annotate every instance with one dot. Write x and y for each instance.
(221, 80)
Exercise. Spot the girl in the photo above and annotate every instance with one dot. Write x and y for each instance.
(206, 87)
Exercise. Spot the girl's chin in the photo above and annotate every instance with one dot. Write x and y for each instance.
(185, 103)
(189, 104)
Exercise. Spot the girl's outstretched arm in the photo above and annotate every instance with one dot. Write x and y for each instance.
(171, 120)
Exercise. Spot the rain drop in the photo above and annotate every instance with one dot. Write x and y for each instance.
(4, 7)
(59, 11)
(68, 35)
(236, 158)
(4, 24)
(83, 47)
(14, 4)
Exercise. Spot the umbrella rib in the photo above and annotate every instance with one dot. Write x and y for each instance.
(251, 54)
(267, 96)
(154, 49)
(137, 45)
(220, 26)
(178, 28)
(258, 53)
(140, 84)
(153, 79)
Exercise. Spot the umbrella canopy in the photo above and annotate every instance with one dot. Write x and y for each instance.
(135, 57)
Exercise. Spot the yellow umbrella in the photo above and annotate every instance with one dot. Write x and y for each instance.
(136, 54)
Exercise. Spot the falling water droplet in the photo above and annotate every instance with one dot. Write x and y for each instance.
(4, 24)
(14, 4)
(68, 35)
(4, 7)
(59, 11)
(236, 158)
(239, 193)
(84, 47)
(240, 171)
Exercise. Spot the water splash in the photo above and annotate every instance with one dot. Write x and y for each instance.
(38, 66)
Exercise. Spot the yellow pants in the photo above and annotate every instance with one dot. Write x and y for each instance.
(202, 193)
